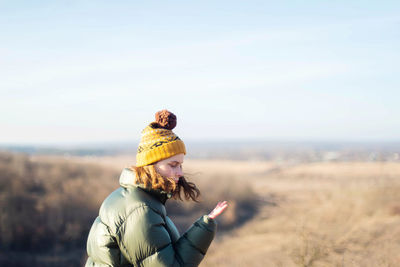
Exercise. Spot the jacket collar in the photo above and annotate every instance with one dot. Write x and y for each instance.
(127, 179)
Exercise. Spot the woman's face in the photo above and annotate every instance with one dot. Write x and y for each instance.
(171, 167)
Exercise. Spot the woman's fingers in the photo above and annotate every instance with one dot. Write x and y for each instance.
(221, 206)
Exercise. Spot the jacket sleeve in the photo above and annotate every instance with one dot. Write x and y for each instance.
(193, 244)
(145, 241)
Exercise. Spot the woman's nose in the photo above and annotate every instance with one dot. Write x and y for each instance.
(179, 172)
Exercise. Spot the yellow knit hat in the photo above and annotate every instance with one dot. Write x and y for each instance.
(158, 142)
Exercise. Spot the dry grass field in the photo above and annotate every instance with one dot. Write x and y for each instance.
(325, 214)
(48, 204)
(310, 214)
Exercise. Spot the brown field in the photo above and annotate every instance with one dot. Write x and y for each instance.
(326, 214)
(309, 214)
(315, 214)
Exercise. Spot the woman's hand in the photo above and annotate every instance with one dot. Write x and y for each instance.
(221, 206)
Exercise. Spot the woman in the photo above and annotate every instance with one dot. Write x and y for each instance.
(133, 228)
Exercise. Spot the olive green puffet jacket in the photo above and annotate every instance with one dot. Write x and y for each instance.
(133, 229)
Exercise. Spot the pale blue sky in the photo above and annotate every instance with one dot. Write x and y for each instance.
(93, 71)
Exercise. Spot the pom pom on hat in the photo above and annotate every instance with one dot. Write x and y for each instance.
(166, 119)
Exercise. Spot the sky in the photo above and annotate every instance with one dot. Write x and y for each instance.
(97, 71)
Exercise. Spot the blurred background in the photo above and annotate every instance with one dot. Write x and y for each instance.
(289, 110)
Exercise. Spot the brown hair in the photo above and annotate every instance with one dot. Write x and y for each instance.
(149, 177)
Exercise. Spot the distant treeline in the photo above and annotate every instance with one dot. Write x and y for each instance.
(242, 150)
(47, 208)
